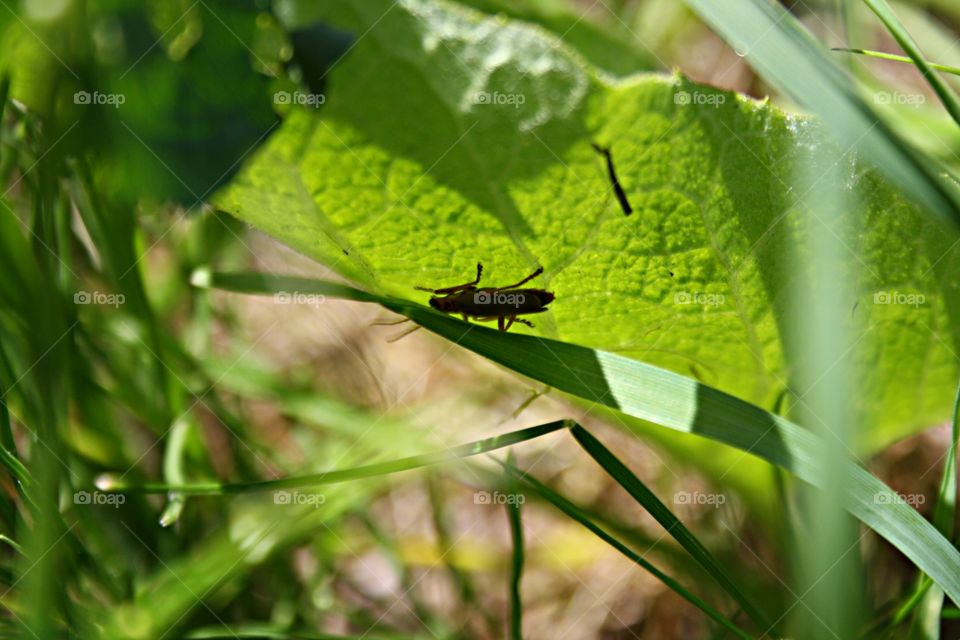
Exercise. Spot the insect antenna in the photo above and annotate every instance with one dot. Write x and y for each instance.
(612, 173)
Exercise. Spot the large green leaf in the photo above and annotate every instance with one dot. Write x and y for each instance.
(450, 137)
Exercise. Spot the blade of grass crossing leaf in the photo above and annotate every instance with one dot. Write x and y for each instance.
(896, 58)
(663, 398)
(784, 53)
(899, 33)
(574, 512)
(111, 483)
(517, 557)
(639, 491)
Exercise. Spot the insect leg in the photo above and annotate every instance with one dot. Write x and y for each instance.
(500, 323)
(522, 321)
(404, 334)
(459, 287)
(524, 281)
(388, 323)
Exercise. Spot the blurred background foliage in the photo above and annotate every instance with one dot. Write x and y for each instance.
(159, 380)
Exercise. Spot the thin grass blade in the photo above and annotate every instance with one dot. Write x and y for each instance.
(662, 514)
(574, 512)
(899, 33)
(516, 558)
(892, 56)
(112, 483)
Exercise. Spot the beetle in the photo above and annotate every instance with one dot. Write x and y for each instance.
(488, 303)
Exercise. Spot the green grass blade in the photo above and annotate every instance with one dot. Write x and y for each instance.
(111, 483)
(643, 495)
(13, 543)
(943, 519)
(574, 512)
(666, 399)
(781, 50)
(8, 448)
(516, 558)
(173, 472)
(892, 56)
(946, 507)
(899, 33)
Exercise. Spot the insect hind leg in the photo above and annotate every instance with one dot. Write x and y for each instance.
(456, 288)
(404, 334)
(524, 281)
